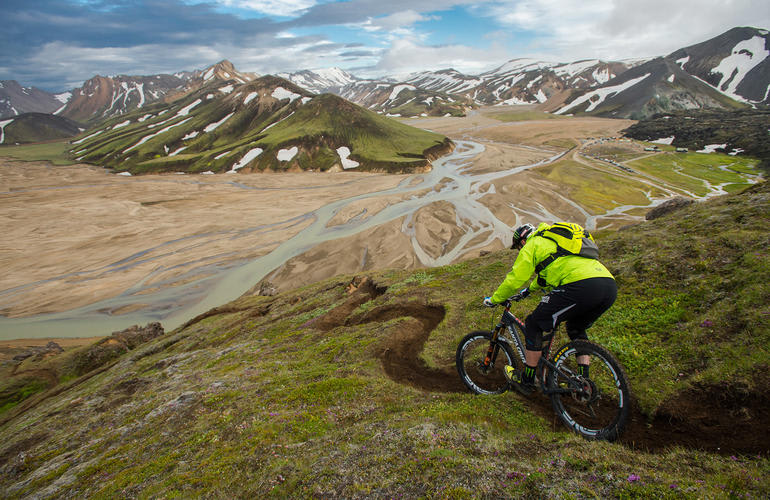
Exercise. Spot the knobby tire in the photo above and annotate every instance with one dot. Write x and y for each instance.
(599, 409)
(470, 363)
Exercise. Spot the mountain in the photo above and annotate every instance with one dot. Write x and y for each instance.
(16, 100)
(268, 123)
(384, 97)
(321, 81)
(37, 127)
(736, 63)
(730, 71)
(659, 85)
(347, 388)
(403, 99)
(105, 97)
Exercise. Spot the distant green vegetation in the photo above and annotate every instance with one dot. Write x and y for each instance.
(55, 152)
(598, 191)
(688, 171)
(520, 116)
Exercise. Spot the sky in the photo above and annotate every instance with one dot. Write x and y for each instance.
(56, 45)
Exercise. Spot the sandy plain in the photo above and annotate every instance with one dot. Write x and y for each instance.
(75, 235)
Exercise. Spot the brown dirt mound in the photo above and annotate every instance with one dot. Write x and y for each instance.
(400, 354)
(720, 418)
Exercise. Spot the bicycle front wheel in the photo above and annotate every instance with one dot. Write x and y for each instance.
(596, 406)
(481, 363)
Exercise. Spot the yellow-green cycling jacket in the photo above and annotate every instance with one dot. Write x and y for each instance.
(561, 271)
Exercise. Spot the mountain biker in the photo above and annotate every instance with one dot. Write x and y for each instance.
(579, 289)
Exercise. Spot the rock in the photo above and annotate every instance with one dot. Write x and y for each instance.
(267, 289)
(110, 348)
(40, 352)
(136, 335)
(668, 206)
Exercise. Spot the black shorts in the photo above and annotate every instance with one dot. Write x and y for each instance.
(579, 304)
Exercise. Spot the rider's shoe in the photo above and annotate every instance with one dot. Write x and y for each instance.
(515, 380)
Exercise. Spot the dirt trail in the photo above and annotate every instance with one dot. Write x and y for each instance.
(717, 419)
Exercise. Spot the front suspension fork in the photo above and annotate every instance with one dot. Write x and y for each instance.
(492, 351)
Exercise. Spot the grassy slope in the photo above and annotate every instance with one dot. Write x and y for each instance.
(318, 128)
(55, 152)
(294, 395)
(371, 138)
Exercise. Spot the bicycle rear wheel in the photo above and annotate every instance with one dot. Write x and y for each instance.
(597, 406)
(477, 374)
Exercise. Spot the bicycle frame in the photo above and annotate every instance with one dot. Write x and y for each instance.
(506, 324)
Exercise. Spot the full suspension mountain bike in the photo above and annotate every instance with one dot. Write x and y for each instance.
(596, 407)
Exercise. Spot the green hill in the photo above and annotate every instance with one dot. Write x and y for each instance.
(347, 388)
(268, 123)
(37, 127)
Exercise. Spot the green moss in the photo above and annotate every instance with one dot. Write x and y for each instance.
(13, 396)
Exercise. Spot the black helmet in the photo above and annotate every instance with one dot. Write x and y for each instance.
(521, 234)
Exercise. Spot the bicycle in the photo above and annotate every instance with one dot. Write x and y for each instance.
(596, 407)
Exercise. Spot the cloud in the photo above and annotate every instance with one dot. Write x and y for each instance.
(617, 29)
(406, 55)
(284, 8)
(395, 21)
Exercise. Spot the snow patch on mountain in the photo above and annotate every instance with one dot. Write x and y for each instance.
(398, 89)
(212, 126)
(2, 129)
(745, 56)
(598, 96)
(88, 137)
(287, 154)
(250, 97)
(575, 68)
(281, 93)
(253, 153)
(186, 110)
(347, 163)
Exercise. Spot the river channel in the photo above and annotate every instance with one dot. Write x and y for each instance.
(450, 180)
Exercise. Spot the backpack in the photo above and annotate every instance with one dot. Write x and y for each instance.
(570, 239)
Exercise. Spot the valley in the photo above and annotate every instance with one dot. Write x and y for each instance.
(111, 251)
